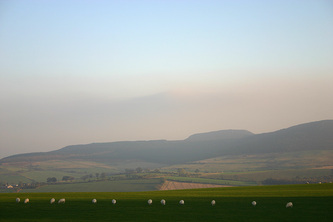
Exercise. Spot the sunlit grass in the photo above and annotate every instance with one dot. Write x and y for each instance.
(311, 203)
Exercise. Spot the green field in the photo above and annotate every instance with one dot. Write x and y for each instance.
(211, 181)
(239, 170)
(312, 202)
(101, 186)
(259, 162)
(258, 176)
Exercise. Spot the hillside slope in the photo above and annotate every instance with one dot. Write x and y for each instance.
(309, 136)
(220, 135)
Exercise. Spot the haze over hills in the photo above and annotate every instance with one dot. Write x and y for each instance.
(219, 135)
(305, 137)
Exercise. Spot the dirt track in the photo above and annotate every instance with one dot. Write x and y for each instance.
(172, 185)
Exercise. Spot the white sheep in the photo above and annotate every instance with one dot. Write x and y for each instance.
(52, 201)
(150, 201)
(94, 201)
(26, 201)
(18, 200)
(163, 202)
(114, 201)
(289, 204)
(254, 203)
(181, 202)
(213, 202)
(62, 201)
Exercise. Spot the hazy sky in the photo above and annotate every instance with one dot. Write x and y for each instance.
(75, 72)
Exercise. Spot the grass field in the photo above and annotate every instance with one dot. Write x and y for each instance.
(234, 169)
(277, 174)
(211, 181)
(312, 202)
(101, 186)
(260, 162)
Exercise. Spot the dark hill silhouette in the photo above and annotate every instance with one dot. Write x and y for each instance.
(309, 136)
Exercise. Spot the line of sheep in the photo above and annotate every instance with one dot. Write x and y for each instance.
(150, 201)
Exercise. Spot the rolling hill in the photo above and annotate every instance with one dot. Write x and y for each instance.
(305, 137)
(304, 151)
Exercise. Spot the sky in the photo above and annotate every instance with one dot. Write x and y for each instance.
(78, 72)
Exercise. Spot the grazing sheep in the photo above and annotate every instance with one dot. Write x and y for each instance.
(289, 204)
(18, 200)
(213, 202)
(114, 201)
(254, 203)
(94, 201)
(163, 202)
(150, 201)
(26, 201)
(52, 201)
(181, 202)
(62, 201)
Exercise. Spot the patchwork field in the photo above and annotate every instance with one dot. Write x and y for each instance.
(259, 162)
(305, 174)
(312, 202)
(211, 181)
(101, 186)
(121, 186)
(173, 185)
(231, 170)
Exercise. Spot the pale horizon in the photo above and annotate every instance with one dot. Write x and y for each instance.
(80, 72)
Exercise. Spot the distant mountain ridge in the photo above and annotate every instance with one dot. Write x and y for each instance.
(310, 136)
(220, 135)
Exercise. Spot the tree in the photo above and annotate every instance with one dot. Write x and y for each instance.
(85, 177)
(97, 175)
(156, 171)
(51, 180)
(66, 178)
(139, 170)
(182, 172)
(197, 171)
